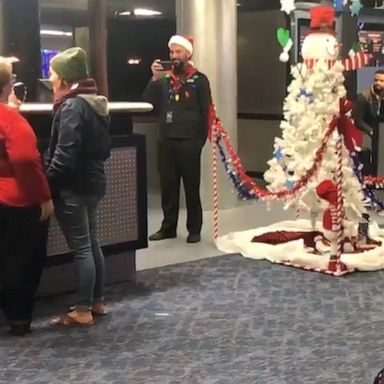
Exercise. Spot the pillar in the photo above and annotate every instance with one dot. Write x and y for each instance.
(213, 24)
(22, 39)
(98, 43)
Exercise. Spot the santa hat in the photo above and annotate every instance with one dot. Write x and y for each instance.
(322, 19)
(185, 42)
(327, 190)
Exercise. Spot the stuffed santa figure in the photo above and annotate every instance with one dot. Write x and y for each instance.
(327, 190)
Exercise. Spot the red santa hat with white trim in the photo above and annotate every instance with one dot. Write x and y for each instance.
(185, 42)
(327, 190)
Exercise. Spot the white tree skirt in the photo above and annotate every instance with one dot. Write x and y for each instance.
(294, 252)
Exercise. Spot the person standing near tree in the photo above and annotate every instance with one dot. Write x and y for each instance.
(182, 98)
(367, 113)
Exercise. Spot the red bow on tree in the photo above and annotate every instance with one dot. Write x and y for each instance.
(353, 138)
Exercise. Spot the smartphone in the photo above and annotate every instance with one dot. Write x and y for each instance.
(166, 64)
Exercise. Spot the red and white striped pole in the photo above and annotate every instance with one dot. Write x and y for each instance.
(215, 136)
(335, 262)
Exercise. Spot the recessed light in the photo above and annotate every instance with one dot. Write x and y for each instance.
(146, 12)
(54, 32)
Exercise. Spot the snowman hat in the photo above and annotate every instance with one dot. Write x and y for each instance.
(322, 19)
(185, 42)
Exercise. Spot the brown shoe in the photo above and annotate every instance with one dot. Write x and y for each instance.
(99, 309)
(74, 318)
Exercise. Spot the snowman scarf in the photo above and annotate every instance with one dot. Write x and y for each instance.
(352, 63)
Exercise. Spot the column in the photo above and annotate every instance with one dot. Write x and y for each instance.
(22, 39)
(98, 43)
(213, 24)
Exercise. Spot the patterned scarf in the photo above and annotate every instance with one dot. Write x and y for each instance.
(87, 86)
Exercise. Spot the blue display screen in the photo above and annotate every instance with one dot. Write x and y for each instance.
(46, 56)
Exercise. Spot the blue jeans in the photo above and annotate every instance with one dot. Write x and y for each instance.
(77, 216)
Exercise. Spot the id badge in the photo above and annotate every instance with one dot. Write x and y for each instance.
(169, 117)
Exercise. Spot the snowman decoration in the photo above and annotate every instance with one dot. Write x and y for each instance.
(321, 43)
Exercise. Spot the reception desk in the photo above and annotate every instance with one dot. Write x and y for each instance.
(123, 211)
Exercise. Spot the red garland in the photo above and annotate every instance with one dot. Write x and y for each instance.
(340, 121)
(285, 192)
(374, 180)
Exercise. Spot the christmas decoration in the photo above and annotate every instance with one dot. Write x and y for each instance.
(339, 5)
(285, 42)
(355, 7)
(314, 168)
(317, 147)
(287, 6)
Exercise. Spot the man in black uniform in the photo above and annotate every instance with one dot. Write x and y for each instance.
(368, 112)
(182, 98)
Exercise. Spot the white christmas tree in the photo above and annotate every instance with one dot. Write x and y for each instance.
(311, 104)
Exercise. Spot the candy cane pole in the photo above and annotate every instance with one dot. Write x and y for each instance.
(335, 263)
(215, 137)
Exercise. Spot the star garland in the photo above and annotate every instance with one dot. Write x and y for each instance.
(368, 191)
(355, 7)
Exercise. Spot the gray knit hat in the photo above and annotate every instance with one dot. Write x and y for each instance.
(71, 64)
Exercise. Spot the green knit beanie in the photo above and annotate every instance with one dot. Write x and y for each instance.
(71, 64)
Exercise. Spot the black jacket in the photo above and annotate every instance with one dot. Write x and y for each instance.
(79, 146)
(184, 115)
(368, 111)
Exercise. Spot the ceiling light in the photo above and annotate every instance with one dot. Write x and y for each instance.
(54, 32)
(133, 61)
(146, 12)
(125, 13)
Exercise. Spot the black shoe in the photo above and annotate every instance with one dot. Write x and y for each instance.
(193, 239)
(20, 329)
(161, 235)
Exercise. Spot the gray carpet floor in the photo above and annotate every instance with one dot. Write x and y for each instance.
(215, 321)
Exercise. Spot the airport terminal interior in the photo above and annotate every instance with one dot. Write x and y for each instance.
(231, 308)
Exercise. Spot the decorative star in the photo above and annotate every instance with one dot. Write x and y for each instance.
(287, 6)
(304, 93)
(339, 5)
(355, 7)
(278, 154)
(289, 184)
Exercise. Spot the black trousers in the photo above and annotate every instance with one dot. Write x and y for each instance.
(366, 158)
(179, 159)
(22, 255)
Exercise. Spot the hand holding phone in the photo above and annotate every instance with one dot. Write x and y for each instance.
(167, 65)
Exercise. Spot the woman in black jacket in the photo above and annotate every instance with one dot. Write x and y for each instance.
(78, 149)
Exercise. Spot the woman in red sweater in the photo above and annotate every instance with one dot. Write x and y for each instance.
(25, 206)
